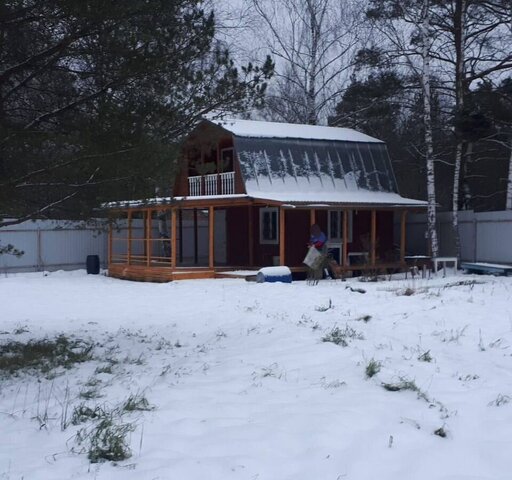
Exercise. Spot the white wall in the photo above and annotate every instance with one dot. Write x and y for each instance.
(485, 236)
(52, 245)
(56, 245)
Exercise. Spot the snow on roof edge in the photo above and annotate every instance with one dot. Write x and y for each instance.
(261, 129)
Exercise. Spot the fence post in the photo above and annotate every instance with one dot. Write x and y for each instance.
(39, 250)
(475, 238)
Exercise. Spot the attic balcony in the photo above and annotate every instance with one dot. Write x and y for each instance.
(212, 184)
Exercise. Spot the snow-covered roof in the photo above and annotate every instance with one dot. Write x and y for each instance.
(361, 197)
(259, 129)
(284, 167)
(319, 199)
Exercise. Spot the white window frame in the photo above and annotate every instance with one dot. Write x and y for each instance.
(339, 239)
(270, 211)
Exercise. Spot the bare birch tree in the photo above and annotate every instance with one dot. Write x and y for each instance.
(470, 42)
(313, 43)
(427, 120)
(408, 37)
(475, 36)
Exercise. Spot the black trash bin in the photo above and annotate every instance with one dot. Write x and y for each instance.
(93, 264)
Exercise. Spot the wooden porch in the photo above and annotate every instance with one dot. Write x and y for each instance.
(150, 244)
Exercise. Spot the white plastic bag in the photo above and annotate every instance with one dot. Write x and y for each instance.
(312, 258)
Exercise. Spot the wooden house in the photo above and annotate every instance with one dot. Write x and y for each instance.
(246, 195)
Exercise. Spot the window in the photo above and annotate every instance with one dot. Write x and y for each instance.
(226, 160)
(269, 225)
(335, 227)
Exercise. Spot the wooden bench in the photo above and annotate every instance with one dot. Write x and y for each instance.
(487, 268)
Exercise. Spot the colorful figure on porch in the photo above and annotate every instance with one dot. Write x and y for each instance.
(317, 241)
(317, 238)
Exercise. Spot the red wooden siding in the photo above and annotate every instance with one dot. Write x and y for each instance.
(237, 235)
(297, 236)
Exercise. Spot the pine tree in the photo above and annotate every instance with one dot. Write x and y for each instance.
(95, 96)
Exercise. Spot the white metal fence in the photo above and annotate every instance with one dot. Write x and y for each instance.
(52, 245)
(485, 236)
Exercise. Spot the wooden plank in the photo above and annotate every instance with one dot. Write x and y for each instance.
(282, 237)
(373, 237)
(173, 237)
(211, 239)
(250, 214)
(345, 238)
(402, 235)
(198, 275)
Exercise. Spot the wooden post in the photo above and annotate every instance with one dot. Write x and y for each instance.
(281, 237)
(251, 235)
(110, 233)
(148, 237)
(173, 238)
(345, 238)
(196, 248)
(402, 235)
(211, 225)
(180, 215)
(373, 239)
(129, 237)
(312, 216)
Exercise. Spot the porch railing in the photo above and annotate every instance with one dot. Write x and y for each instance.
(194, 186)
(213, 184)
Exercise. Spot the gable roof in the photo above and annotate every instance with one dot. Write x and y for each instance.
(300, 164)
(259, 129)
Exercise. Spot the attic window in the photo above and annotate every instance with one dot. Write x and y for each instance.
(269, 226)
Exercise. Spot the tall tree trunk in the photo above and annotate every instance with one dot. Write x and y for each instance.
(427, 120)
(455, 197)
(460, 86)
(508, 204)
(312, 113)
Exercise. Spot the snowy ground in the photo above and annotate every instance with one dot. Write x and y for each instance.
(244, 387)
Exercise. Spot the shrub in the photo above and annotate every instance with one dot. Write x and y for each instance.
(406, 384)
(500, 400)
(372, 368)
(107, 441)
(425, 357)
(137, 402)
(43, 355)
(82, 413)
(341, 337)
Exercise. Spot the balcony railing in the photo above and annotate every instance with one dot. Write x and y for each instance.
(213, 184)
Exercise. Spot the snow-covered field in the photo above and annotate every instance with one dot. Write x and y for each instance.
(242, 385)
